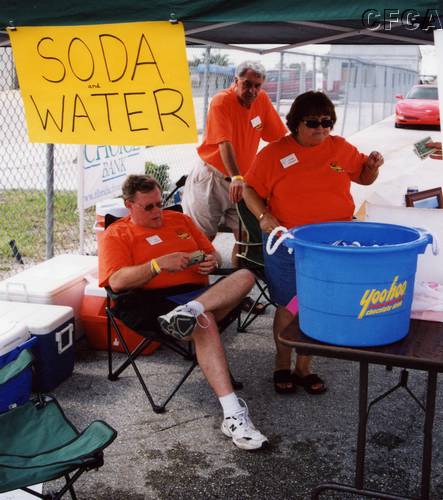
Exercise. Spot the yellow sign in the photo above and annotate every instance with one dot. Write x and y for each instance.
(122, 84)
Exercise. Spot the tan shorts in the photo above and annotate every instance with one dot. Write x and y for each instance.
(206, 200)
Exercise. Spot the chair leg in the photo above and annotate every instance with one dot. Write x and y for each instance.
(236, 384)
(250, 317)
(130, 361)
(71, 487)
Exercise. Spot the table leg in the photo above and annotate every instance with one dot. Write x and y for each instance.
(427, 438)
(362, 423)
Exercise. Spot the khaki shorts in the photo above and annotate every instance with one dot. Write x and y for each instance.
(206, 200)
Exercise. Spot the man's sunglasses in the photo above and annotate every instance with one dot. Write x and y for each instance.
(325, 123)
(150, 206)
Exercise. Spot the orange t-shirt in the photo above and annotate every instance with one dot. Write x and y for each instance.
(229, 121)
(127, 244)
(306, 185)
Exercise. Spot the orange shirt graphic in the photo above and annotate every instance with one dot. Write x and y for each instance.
(126, 244)
(306, 185)
(229, 121)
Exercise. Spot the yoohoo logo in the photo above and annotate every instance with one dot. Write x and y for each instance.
(379, 301)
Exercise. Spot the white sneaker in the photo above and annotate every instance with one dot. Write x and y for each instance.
(242, 431)
(178, 323)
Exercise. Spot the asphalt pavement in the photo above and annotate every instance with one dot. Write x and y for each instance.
(182, 453)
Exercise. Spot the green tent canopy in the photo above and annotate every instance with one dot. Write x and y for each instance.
(291, 23)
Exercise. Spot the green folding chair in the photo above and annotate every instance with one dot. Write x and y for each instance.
(38, 444)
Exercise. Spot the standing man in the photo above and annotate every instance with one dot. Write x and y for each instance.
(238, 118)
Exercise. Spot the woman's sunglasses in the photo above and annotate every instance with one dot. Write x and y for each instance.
(325, 123)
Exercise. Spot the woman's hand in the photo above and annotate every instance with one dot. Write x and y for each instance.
(375, 161)
(208, 265)
(268, 222)
(369, 171)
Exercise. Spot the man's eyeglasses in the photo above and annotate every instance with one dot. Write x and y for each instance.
(325, 123)
(150, 206)
(249, 85)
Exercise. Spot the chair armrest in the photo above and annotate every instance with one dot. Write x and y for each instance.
(116, 295)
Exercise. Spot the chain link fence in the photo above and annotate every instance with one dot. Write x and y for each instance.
(38, 182)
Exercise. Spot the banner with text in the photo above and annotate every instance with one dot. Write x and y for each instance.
(104, 170)
(125, 84)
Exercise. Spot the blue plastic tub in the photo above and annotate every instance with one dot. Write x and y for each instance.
(356, 296)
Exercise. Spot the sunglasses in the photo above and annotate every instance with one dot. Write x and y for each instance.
(150, 206)
(325, 123)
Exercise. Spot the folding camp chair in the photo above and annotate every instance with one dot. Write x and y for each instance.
(39, 444)
(147, 337)
(250, 254)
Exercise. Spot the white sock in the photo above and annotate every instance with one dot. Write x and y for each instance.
(230, 404)
(195, 307)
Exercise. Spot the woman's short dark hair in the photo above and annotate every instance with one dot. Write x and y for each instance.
(309, 104)
(142, 183)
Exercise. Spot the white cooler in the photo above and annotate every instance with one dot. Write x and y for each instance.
(59, 281)
(113, 206)
(53, 327)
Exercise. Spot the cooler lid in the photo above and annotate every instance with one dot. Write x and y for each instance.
(12, 334)
(92, 289)
(48, 278)
(40, 319)
(113, 206)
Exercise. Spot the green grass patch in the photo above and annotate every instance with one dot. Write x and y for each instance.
(23, 219)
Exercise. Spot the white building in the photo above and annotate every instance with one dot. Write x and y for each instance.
(373, 72)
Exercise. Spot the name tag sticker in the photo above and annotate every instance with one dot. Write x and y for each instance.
(256, 122)
(289, 160)
(154, 240)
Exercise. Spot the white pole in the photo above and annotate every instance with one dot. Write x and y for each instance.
(438, 39)
(80, 195)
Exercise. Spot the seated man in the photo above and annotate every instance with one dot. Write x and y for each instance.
(149, 251)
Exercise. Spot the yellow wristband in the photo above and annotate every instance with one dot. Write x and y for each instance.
(237, 178)
(155, 268)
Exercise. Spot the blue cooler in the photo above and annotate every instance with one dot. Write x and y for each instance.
(53, 328)
(15, 364)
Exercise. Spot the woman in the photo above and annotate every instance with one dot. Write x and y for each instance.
(303, 178)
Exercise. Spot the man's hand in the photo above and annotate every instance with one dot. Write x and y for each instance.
(437, 155)
(236, 190)
(208, 265)
(268, 222)
(172, 262)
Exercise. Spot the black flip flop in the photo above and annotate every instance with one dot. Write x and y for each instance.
(284, 377)
(248, 306)
(309, 381)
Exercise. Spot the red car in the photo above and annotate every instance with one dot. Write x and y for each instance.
(419, 107)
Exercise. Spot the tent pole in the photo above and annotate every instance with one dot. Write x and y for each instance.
(360, 92)
(80, 196)
(206, 86)
(49, 200)
(280, 72)
(345, 107)
(314, 74)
